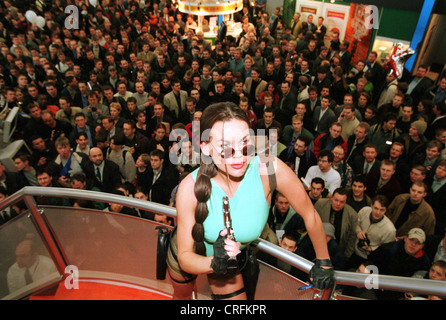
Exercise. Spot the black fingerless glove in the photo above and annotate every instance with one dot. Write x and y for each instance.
(322, 278)
(222, 263)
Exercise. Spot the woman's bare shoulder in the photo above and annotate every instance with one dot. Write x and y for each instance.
(186, 194)
(187, 182)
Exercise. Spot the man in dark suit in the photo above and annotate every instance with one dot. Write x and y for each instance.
(383, 181)
(53, 128)
(366, 162)
(439, 121)
(377, 71)
(220, 95)
(266, 122)
(186, 116)
(357, 141)
(323, 116)
(11, 181)
(320, 79)
(402, 167)
(419, 85)
(300, 150)
(109, 98)
(287, 104)
(159, 115)
(436, 196)
(320, 30)
(35, 124)
(102, 173)
(72, 90)
(162, 178)
(311, 25)
(346, 55)
(98, 50)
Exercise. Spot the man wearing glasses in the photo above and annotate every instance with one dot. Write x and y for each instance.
(324, 170)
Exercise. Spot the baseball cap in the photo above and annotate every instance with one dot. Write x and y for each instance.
(417, 233)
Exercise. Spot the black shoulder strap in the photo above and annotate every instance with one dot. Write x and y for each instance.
(124, 152)
(377, 127)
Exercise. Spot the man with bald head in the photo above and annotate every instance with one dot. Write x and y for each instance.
(29, 267)
(102, 173)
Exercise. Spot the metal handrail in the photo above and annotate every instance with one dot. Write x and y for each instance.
(87, 195)
(394, 283)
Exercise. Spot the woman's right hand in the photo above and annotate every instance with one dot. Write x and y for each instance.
(232, 247)
(224, 249)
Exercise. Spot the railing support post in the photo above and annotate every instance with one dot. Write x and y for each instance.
(42, 227)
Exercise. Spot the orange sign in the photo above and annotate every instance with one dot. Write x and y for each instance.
(308, 10)
(335, 14)
(357, 33)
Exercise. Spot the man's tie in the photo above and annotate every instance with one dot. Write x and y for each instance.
(28, 277)
(351, 151)
(281, 102)
(366, 168)
(98, 174)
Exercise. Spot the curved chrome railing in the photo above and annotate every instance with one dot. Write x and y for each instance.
(401, 284)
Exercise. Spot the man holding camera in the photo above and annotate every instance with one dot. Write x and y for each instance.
(54, 128)
(373, 230)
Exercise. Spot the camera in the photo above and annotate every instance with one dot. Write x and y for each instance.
(363, 242)
(93, 109)
(56, 134)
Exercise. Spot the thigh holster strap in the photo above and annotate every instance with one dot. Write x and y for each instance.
(227, 296)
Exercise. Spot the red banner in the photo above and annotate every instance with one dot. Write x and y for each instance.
(334, 14)
(357, 33)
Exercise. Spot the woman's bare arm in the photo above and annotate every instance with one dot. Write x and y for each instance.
(189, 261)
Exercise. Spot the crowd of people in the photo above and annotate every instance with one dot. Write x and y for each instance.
(105, 106)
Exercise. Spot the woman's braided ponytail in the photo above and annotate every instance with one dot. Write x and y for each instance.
(202, 191)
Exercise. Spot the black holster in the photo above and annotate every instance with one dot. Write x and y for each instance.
(249, 268)
(164, 235)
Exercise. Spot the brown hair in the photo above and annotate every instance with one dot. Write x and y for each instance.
(224, 111)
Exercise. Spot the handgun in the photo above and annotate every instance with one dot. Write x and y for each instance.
(232, 263)
(227, 218)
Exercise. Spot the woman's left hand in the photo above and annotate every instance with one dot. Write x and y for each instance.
(322, 274)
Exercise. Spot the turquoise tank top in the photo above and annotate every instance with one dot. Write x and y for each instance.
(249, 209)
